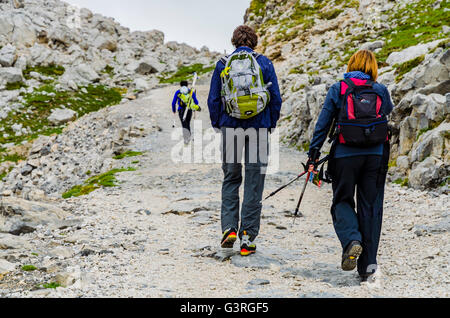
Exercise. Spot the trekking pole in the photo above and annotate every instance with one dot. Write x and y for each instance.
(298, 177)
(301, 197)
(286, 185)
(190, 96)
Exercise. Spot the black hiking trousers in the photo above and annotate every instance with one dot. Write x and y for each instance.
(360, 173)
(186, 124)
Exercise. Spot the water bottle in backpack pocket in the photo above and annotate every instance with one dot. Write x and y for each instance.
(360, 121)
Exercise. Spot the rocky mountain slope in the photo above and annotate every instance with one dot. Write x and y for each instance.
(311, 42)
(58, 63)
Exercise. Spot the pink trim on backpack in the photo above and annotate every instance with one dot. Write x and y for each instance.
(351, 107)
(379, 102)
(358, 82)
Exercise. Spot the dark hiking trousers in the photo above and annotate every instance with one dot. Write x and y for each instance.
(186, 124)
(364, 223)
(255, 146)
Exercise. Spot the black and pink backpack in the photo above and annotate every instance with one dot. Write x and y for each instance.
(360, 122)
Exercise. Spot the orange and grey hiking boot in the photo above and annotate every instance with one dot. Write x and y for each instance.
(247, 246)
(229, 237)
(350, 256)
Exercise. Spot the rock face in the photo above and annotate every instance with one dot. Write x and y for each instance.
(311, 43)
(84, 43)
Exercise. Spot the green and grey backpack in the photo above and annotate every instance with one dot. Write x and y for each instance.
(244, 93)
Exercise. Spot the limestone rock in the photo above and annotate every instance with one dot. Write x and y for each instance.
(61, 116)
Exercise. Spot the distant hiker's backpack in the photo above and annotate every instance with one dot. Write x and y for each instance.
(360, 122)
(187, 100)
(244, 93)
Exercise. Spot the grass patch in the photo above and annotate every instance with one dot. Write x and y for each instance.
(416, 23)
(15, 85)
(51, 285)
(38, 106)
(128, 154)
(402, 69)
(50, 70)
(297, 70)
(402, 182)
(185, 73)
(107, 180)
(29, 268)
(109, 70)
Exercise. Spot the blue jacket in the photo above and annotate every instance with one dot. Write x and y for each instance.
(178, 100)
(331, 109)
(266, 119)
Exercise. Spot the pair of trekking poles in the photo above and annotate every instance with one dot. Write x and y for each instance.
(308, 174)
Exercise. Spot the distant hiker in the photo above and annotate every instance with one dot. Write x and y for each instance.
(244, 103)
(184, 99)
(358, 105)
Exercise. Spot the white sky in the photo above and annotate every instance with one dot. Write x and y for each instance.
(195, 22)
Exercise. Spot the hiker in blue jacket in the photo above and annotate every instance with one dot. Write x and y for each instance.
(241, 124)
(360, 167)
(181, 98)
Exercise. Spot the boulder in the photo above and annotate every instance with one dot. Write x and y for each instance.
(18, 216)
(408, 128)
(11, 74)
(6, 267)
(61, 116)
(435, 143)
(427, 174)
(81, 75)
(372, 46)
(8, 55)
(411, 53)
(146, 66)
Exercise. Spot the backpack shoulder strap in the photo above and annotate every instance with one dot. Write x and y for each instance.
(256, 54)
(224, 59)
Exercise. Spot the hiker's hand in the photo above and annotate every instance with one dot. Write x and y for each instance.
(311, 165)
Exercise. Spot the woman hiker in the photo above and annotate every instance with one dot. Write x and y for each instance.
(359, 159)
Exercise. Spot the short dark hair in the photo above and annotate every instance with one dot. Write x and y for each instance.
(184, 83)
(244, 36)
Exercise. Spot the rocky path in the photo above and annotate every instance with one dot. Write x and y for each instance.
(157, 234)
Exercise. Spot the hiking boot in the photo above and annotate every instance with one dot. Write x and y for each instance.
(247, 245)
(229, 237)
(350, 256)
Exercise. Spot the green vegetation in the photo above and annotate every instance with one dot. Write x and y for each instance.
(185, 73)
(108, 70)
(14, 86)
(392, 163)
(402, 69)
(257, 7)
(402, 182)
(50, 70)
(51, 285)
(416, 23)
(38, 105)
(297, 70)
(329, 15)
(128, 154)
(107, 179)
(29, 268)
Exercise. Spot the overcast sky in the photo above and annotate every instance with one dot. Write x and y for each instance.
(195, 22)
